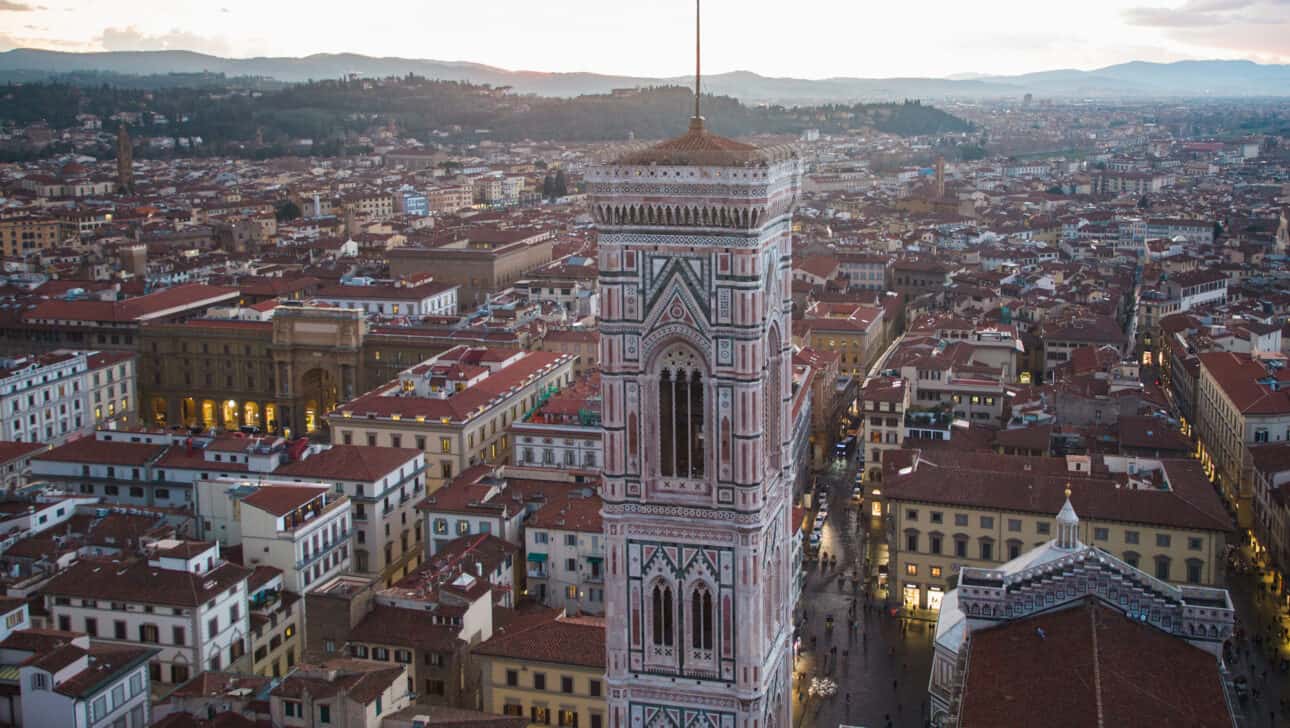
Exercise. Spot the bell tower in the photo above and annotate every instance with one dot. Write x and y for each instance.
(695, 247)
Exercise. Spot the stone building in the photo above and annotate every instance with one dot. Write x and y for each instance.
(276, 375)
(948, 511)
(973, 684)
(481, 263)
(695, 282)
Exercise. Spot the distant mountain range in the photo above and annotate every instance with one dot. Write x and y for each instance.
(1135, 79)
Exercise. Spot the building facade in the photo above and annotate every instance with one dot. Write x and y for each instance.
(695, 257)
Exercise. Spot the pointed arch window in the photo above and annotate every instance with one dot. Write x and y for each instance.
(701, 628)
(662, 608)
(773, 403)
(681, 421)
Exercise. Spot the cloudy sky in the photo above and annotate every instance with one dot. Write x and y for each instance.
(803, 38)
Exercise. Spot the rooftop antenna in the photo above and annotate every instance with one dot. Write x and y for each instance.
(698, 119)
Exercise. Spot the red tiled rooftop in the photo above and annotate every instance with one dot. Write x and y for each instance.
(1091, 665)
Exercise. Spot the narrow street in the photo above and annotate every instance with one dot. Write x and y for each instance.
(882, 670)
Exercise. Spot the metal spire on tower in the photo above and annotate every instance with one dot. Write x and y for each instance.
(697, 74)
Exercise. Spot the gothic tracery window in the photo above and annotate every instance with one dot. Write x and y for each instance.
(774, 438)
(662, 613)
(680, 411)
(701, 618)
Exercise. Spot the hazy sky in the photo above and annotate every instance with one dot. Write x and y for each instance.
(802, 38)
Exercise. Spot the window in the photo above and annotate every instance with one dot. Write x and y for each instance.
(569, 718)
(1043, 527)
(441, 526)
(540, 714)
(960, 519)
(934, 543)
(597, 721)
(1162, 568)
(911, 569)
(960, 547)
(212, 628)
(445, 444)
(662, 613)
(148, 633)
(39, 681)
(1014, 525)
(1163, 540)
(681, 405)
(98, 708)
(118, 629)
(911, 514)
(539, 681)
(512, 678)
(291, 709)
(936, 572)
(91, 627)
(911, 540)
(1131, 558)
(987, 551)
(513, 709)
(324, 714)
(987, 522)
(1130, 536)
(1194, 543)
(566, 684)
(593, 688)
(436, 687)
(1101, 534)
(701, 618)
(1193, 571)
(937, 516)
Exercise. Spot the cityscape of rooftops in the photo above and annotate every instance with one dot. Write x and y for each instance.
(733, 365)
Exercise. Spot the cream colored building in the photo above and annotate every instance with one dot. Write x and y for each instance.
(457, 407)
(548, 668)
(1241, 400)
(951, 510)
(883, 403)
(302, 529)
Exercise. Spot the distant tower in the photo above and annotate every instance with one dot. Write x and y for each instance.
(134, 259)
(124, 160)
(940, 178)
(1027, 99)
(259, 137)
(1283, 231)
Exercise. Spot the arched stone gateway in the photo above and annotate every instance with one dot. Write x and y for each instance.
(320, 394)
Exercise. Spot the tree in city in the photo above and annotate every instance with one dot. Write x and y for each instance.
(560, 187)
(286, 210)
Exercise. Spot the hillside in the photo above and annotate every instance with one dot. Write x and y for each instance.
(1136, 79)
(332, 113)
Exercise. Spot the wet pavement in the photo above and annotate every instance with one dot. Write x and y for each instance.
(879, 661)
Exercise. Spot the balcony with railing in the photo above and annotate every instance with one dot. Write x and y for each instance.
(312, 555)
